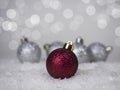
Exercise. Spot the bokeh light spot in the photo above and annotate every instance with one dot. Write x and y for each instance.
(11, 13)
(35, 19)
(46, 3)
(14, 26)
(90, 10)
(28, 23)
(49, 18)
(101, 2)
(6, 25)
(13, 45)
(115, 13)
(56, 27)
(68, 13)
(26, 32)
(55, 4)
(9, 26)
(75, 24)
(102, 21)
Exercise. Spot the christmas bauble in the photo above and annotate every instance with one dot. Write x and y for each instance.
(98, 52)
(50, 47)
(28, 51)
(80, 51)
(62, 62)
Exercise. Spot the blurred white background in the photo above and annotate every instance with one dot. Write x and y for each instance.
(46, 21)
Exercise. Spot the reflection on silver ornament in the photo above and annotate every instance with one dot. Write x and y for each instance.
(98, 52)
(50, 47)
(28, 51)
(80, 50)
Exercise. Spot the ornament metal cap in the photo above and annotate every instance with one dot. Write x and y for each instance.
(24, 39)
(46, 46)
(109, 49)
(79, 40)
(68, 45)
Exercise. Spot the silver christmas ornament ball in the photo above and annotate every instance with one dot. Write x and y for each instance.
(28, 51)
(50, 47)
(80, 50)
(98, 52)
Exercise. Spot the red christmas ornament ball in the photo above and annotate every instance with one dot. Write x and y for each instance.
(62, 63)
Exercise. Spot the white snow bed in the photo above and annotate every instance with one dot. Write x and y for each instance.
(90, 76)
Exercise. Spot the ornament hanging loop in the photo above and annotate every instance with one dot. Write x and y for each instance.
(68, 45)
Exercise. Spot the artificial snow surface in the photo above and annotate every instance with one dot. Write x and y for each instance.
(90, 76)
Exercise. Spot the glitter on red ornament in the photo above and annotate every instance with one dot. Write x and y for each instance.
(62, 63)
